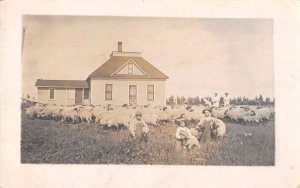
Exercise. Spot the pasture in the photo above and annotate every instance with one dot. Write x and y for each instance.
(48, 141)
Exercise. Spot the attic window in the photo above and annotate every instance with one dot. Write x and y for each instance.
(130, 68)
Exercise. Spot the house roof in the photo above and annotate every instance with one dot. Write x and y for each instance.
(62, 83)
(115, 62)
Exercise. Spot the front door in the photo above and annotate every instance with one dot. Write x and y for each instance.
(78, 96)
(132, 94)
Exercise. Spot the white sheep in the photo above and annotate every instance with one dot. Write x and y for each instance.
(164, 117)
(235, 114)
(219, 112)
(196, 133)
(264, 113)
(150, 119)
(48, 111)
(251, 118)
(191, 142)
(33, 111)
(85, 115)
(219, 128)
(70, 114)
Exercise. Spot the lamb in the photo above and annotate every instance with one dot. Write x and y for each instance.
(191, 142)
(219, 129)
(196, 133)
(185, 137)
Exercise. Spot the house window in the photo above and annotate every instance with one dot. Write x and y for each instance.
(108, 91)
(86, 93)
(130, 68)
(150, 92)
(51, 94)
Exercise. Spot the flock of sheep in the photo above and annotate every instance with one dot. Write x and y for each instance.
(119, 116)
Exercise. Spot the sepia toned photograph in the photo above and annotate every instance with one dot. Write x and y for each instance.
(147, 91)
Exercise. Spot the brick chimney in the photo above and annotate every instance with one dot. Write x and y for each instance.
(119, 46)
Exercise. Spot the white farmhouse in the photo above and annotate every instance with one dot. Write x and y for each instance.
(126, 78)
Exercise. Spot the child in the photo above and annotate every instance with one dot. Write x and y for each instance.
(138, 121)
(183, 133)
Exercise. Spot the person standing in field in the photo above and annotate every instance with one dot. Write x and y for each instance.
(137, 120)
(226, 100)
(215, 101)
(206, 125)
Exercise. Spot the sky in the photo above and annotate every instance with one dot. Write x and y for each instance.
(200, 55)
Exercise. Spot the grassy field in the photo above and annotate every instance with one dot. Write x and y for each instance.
(47, 141)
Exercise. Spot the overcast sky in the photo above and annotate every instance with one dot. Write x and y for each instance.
(201, 56)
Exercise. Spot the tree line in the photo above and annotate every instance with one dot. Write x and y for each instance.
(241, 100)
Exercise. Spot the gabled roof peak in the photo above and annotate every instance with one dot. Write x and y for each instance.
(107, 69)
(119, 59)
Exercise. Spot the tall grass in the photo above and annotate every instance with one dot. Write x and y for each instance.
(46, 141)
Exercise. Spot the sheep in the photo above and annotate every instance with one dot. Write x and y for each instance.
(251, 118)
(85, 115)
(235, 114)
(196, 133)
(164, 117)
(185, 137)
(33, 111)
(97, 112)
(197, 116)
(264, 114)
(191, 142)
(256, 115)
(175, 113)
(219, 112)
(150, 119)
(70, 114)
(116, 118)
(57, 114)
(119, 121)
(219, 129)
(47, 112)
